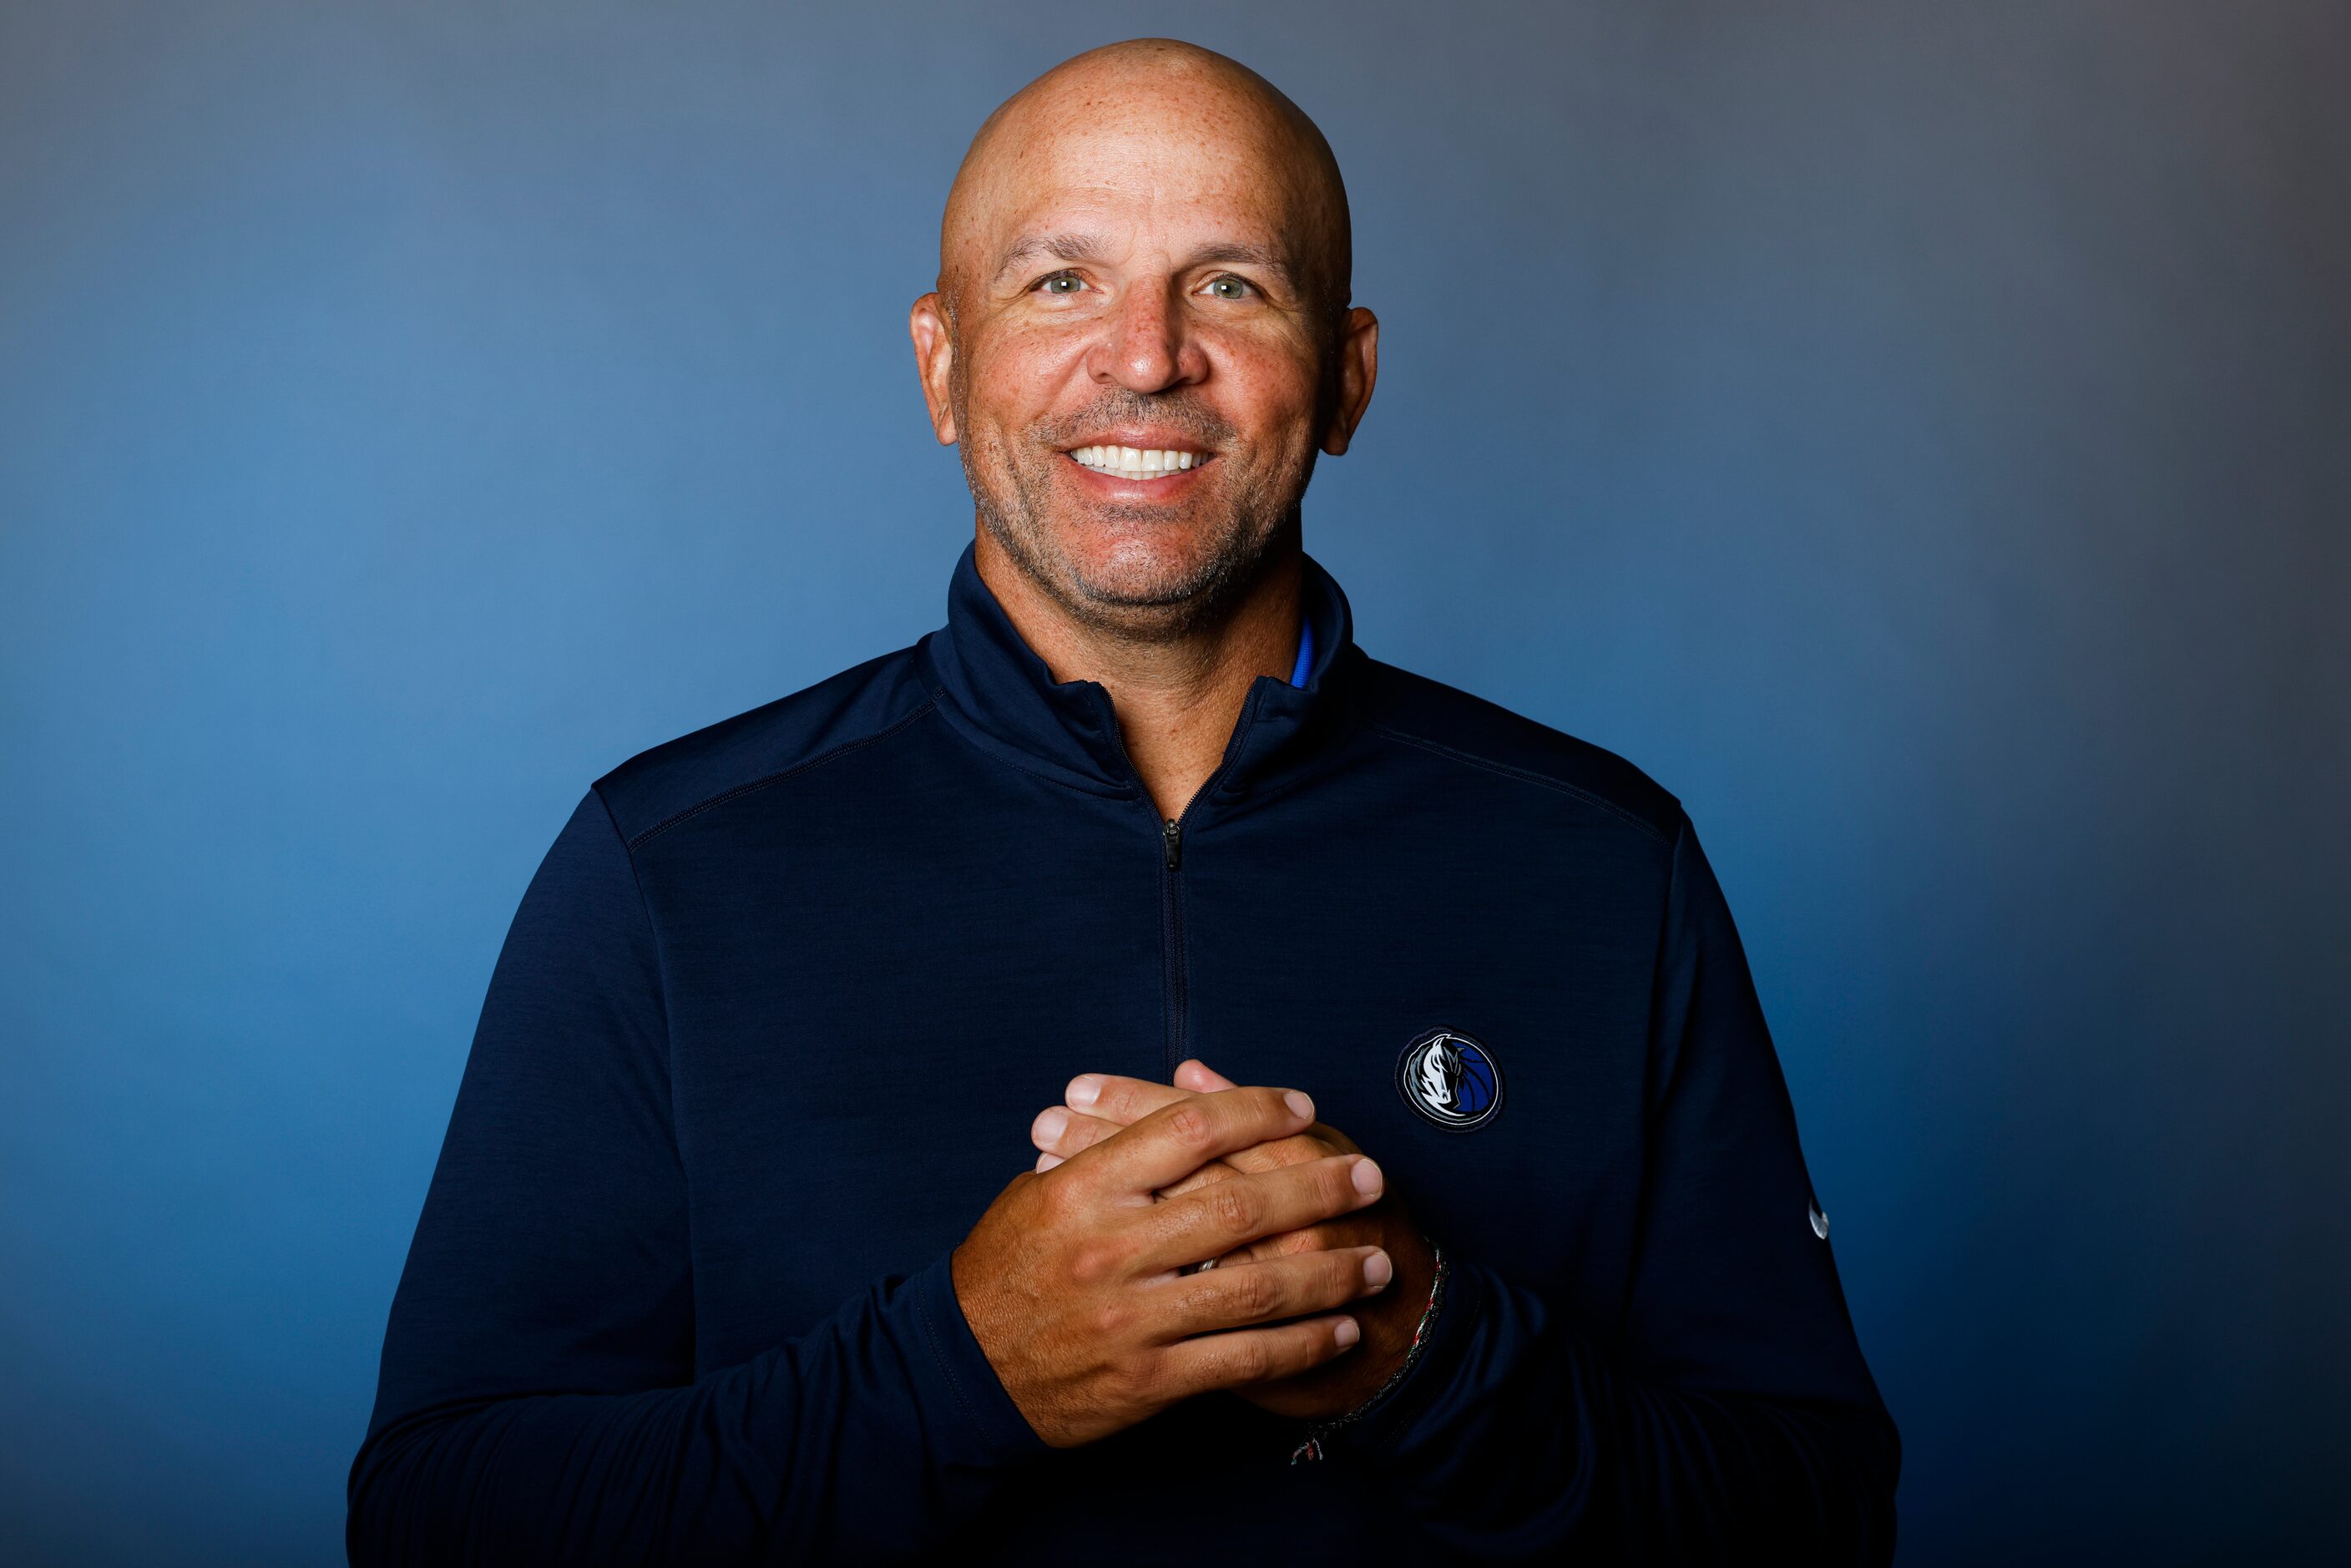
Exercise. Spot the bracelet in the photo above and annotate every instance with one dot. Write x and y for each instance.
(1311, 1448)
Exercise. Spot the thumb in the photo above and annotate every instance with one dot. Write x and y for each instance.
(1200, 1078)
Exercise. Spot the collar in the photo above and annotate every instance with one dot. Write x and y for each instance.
(1003, 699)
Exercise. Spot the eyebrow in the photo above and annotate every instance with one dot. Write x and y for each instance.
(1086, 247)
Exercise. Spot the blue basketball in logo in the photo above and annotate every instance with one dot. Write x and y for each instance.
(1450, 1078)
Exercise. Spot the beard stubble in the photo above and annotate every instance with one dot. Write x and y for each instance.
(1251, 516)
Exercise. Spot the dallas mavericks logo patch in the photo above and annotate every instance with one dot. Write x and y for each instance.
(1450, 1078)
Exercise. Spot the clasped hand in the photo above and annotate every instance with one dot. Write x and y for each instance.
(1077, 1281)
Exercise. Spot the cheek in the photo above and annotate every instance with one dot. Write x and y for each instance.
(1268, 393)
(1018, 376)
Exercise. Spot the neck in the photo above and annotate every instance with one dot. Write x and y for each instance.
(1177, 696)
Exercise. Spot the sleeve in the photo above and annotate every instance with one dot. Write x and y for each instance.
(1731, 1416)
(538, 1399)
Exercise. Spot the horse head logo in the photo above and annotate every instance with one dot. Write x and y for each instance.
(1451, 1080)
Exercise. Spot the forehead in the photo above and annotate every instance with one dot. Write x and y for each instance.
(1166, 166)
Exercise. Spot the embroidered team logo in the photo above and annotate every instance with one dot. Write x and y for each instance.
(1450, 1078)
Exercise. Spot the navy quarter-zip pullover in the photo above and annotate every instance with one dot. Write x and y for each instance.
(774, 1015)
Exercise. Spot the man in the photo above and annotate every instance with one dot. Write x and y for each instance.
(1143, 839)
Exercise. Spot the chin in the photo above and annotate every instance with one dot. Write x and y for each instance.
(1125, 563)
(1142, 568)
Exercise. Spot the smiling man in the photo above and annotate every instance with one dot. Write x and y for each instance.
(1142, 856)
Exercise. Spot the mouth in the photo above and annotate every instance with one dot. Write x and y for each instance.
(1136, 464)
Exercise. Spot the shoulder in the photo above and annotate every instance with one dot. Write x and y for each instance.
(1441, 721)
(659, 788)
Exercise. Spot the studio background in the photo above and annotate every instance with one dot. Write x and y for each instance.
(1915, 434)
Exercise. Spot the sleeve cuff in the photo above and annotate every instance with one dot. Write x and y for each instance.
(998, 1433)
(1391, 1425)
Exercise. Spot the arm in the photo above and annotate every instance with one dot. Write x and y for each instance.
(539, 1400)
(1735, 1415)
(1732, 1416)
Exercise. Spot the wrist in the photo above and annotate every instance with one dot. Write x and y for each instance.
(1415, 1343)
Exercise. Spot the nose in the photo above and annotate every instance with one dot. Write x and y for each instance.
(1146, 346)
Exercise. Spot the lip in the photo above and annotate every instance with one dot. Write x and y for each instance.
(1158, 487)
(1142, 437)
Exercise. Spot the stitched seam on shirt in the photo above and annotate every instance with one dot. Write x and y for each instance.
(946, 1370)
(999, 752)
(796, 769)
(669, 1034)
(661, 979)
(1525, 776)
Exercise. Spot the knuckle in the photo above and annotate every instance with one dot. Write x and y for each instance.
(1107, 1320)
(1345, 1272)
(1094, 1261)
(1252, 1360)
(1131, 1379)
(1233, 1205)
(1189, 1126)
(1251, 1294)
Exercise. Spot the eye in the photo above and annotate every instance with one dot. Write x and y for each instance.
(1227, 287)
(1060, 283)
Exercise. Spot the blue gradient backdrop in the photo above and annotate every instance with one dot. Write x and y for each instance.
(1915, 434)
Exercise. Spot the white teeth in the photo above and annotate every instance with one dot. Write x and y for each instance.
(1128, 463)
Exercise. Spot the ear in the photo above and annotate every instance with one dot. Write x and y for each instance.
(1359, 367)
(935, 361)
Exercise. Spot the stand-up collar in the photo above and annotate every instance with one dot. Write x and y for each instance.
(1002, 697)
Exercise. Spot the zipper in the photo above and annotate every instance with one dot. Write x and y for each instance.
(1171, 947)
(1171, 887)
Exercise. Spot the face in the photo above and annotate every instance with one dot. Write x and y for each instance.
(1138, 360)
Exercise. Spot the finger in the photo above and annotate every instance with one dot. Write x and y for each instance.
(1075, 1133)
(1216, 1218)
(1329, 1235)
(1317, 1141)
(1241, 1357)
(1060, 1131)
(1199, 1078)
(1124, 1101)
(1248, 1294)
(1177, 1140)
(1260, 1157)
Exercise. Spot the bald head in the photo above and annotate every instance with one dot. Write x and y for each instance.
(1141, 340)
(1132, 115)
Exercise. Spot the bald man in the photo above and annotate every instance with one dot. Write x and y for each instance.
(1413, 1177)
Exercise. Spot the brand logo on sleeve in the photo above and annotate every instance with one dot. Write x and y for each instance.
(1451, 1080)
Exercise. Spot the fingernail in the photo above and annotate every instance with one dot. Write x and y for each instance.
(1346, 1331)
(1047, 1162)
(1366, 1178)
(1378, 1270)
(1049, 1126)
(1299, 1103)
(1084, 1090)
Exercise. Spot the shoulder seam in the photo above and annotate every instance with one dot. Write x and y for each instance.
(661, 970)
(819, 761)
(1525, 776)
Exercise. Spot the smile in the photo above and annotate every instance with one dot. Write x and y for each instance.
(1131, 463)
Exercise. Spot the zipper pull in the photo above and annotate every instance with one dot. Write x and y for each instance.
(1173, 837)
